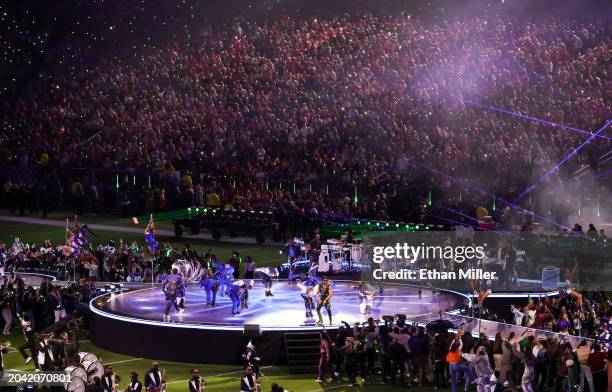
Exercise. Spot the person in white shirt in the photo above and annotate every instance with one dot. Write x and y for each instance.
(518, 315)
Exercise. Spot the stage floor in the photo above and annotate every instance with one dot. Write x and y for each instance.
(284, 311)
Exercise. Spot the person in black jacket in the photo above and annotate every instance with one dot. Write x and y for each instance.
(196, 382)
(438, 359)
(248, 383)
(134, 385)
(398, 356)
(109, 379)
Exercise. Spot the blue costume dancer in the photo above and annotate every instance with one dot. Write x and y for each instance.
(163, 278)
(149, 235)
(174, 285)
(236, 291)
(81, 237)
(211, 286)
(224, 273)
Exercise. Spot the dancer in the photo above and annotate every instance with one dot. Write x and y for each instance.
(211, 286)
(180, 296)
(307, 292)
(149, 235)
(480, 363)
(324, 294)
(235, 292)
(267, 273)
(569, 292)
(292, 256)
(224, 273)
(31, 341)
(366, 293)
(174, 284)
(244, 299)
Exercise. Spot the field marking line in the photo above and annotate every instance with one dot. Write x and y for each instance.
(216, 375)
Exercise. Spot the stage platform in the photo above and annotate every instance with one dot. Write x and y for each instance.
(217, 336)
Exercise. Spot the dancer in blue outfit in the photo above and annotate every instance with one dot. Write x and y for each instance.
(173, 286)
(211, 286)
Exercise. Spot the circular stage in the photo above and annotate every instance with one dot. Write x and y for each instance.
(136, 317)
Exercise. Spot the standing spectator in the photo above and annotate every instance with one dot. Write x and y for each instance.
(249, 268)
(438, 358)
(7, 314)
(324, 356)
(583, 352)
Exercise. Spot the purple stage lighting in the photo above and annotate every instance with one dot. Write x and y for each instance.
(600, 175)
(457, 222)
(554, 168)
(484, 192)
(459, 213)
(552, 124)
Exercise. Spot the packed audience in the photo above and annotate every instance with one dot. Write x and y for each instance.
(410, 355)
(347, 101)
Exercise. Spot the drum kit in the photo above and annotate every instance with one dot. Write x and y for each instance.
(83, 373)
(337, 254)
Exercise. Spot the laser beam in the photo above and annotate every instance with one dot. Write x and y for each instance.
(538, 120)
(554, 168)
(484, 192)
(458, 213)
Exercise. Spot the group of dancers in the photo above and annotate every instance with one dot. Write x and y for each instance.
(317, 293)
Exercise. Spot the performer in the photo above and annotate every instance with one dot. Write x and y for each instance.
(569, 292)
(134, 385)
(482, 366)
(80, 233)
(149, 235)
(224, 273)
(174, 284)
(3, 350)
(72, 242)
(180, 296)
(244, 299)
(324, 293)
(45, 357)
(292, 255)
(366, 297)
(109, 380)
(196, 383)
(482, 296)
(30, 341)
(154, 379)
(267, 273)
(248, 383)
(235, 292)
(307, 293)
(211, 286)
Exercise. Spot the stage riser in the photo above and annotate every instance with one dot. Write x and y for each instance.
(181, 344)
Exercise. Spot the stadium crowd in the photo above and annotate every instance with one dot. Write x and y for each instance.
(531, 361)
(349, 101)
